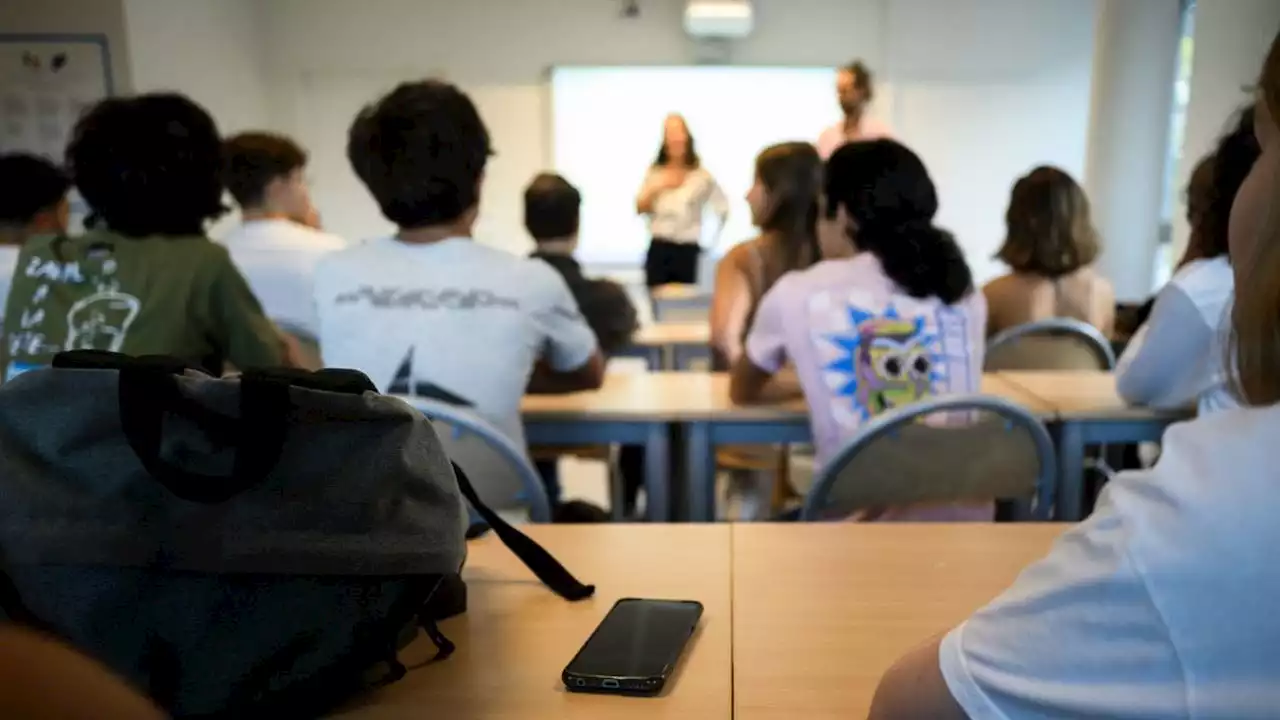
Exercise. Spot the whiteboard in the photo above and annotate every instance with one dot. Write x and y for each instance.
(607, 127)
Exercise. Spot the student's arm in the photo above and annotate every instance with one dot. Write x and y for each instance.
(245, 336)
(571, 359)
(764, 355)
(1166, 363)
(730, 305)
(1077, 635)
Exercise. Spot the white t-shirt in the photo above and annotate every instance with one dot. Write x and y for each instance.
(1160, 605)
(1178, 357)
(8, 263)
(278, 258)
(677, 212)
(454, 320)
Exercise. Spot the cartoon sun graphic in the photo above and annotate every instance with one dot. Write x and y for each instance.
(888, 360)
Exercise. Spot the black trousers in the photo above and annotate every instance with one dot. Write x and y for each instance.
(671, 262)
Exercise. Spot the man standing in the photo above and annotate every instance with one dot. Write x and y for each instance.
(855, 88)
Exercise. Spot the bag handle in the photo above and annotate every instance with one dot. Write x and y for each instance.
(534, 556)
(148, 393)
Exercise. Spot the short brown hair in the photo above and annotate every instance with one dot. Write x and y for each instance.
(1254, 350)
(863, 78)
(253, 159)
(1049, 231)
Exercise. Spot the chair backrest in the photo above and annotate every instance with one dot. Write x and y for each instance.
(1053, 344)
(499, 470)
(954, 449)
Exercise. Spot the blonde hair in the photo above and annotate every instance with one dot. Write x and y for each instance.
(1255, 343)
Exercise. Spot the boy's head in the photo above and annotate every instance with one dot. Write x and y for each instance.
(148, 165)
(551, 208)
(35, 194)
(421, 151)
(264, 173)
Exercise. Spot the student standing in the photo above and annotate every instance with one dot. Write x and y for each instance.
(1161, 604)
(1178, 357)
(144, 280)
(677, 191)
(428, 311)
(34, 202)
(855, 89)
(273, 247)
(1050, 246)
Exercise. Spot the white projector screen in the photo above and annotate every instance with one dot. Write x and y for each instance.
(607, 126)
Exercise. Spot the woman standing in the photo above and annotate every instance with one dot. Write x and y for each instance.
(784, 205)
(676, 191)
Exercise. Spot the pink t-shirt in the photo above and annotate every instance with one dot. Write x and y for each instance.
(861, 345)
(834, 137)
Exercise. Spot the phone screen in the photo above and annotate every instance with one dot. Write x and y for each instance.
(637, 639)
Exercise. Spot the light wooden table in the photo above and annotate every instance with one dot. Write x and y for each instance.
(671, 345)
(821, 611)
(641, 408)
(1085, 410)
(517, 636)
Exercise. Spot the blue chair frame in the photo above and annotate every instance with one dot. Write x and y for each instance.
(464, 420)
(888, 422)
(1058, 326)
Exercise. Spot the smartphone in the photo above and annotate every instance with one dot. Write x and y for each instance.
(635, 647)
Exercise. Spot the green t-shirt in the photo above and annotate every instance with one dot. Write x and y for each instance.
(177, 296)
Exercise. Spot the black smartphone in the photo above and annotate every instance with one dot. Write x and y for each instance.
(635, 647)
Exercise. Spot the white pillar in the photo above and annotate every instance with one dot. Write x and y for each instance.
(1135, 59)
(1231, 41)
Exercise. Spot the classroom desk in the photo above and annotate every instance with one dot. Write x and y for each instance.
(724, 423)
(820, 611)
(680, 302)
(671, 345)
(517, 636)
(1087, 410)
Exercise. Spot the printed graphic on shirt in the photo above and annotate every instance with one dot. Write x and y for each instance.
(425, 298)
(101, 321)
(404, 383)
(879, 358)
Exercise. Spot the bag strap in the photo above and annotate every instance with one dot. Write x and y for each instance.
(534, 556)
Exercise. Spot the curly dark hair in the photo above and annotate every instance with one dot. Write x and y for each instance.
(253, 159)
(1232, 160)
(421, 150)
(887, 192)
(551, 207)
(1049, 229)
(31, 185)
(148, 165)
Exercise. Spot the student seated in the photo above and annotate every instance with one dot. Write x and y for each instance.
(897, 322)
(428, 311)
(144, 279)
(1160, 605)
(34, 202)
(1051, 245)
(274, 247)
(784, 205)
(1177, 357)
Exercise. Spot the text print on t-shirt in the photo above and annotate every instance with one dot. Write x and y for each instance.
(426, 299)
(876, 357)
(97, 321)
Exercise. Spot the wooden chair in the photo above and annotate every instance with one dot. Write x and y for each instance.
(501, 473)
(1053, 344)
(966, 448)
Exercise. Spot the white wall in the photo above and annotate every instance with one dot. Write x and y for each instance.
(74, 16)
(212, 50)
(1231, 41)
(1134, 66)
(966, 71)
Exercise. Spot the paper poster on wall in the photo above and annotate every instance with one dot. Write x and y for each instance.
(46, 83)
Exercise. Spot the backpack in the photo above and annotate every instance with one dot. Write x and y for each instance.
(258, 546)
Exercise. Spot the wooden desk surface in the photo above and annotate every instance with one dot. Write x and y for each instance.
(1081, 393)
(673, 333)
(821, 611)
(677, 291)
(517, 636)
(679, 396)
